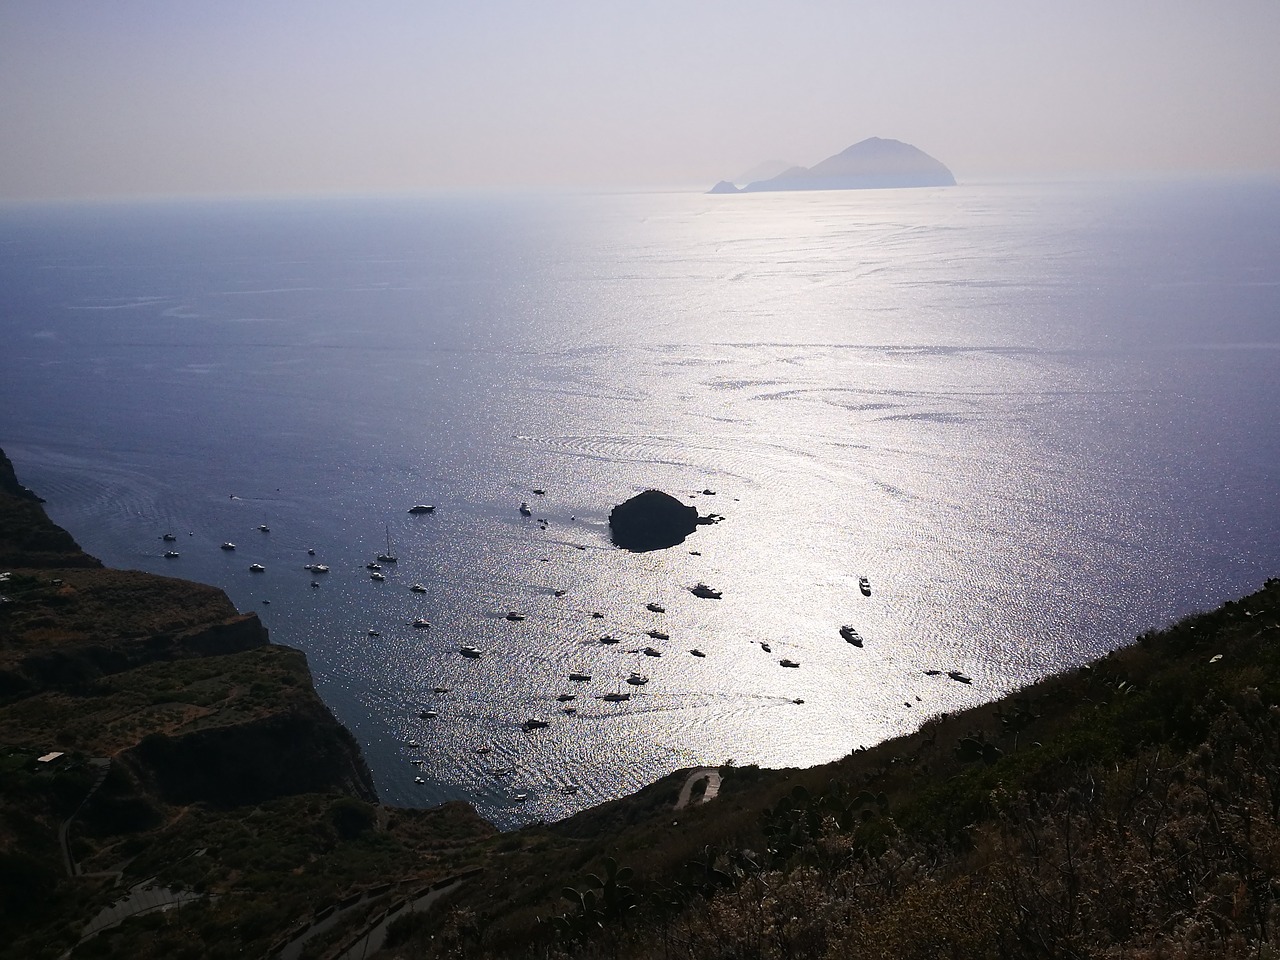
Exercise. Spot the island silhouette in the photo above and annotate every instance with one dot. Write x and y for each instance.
(869, 164)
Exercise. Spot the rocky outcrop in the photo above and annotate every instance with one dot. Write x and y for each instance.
(302, 750)
(653, 520)
(28, 538)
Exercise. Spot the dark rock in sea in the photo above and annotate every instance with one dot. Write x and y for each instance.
(724, 186)
(653, 520)
(869, 164)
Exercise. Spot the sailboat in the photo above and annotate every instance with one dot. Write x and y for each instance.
(387, 557)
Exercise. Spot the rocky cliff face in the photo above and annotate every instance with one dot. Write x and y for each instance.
(163, 674)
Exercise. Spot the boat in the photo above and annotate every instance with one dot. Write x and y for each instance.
(616, 697)
(959, 677)
(539, 492)
(228, 545)
(569, 711)
(439, 689)
(534, 723)
(475, 653)
(170, 554)
(705, 592)
(311, 551)
(418, 780)
(765, 647)
(374, 633)
(865, 586)
(373, 565)
(655, 608)
(608, 639)
(697, 653)
(482, 750)
(418, 588)
(637, 679)
(515, 617)
(422, 508)
(421, 623)
(264, 528)
(414, 743)
(659, 635)
(569, 789)
(168, 538)
(256, 568)
(377, 576)
(580, 677)
(851, 635)
(524, 510)
(429, 714)
(520, 797)
(319, 568)
(565, 697)
(387, 557)
(651, 652)
(787, 663)
(315, 583)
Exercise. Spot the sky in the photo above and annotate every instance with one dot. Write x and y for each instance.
(154, 98)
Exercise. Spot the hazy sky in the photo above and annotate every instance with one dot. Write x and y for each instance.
(161, 97)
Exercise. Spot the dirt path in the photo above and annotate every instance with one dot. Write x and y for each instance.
(709, 774)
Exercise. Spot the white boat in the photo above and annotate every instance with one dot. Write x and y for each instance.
(418, 780)
(319, 568)
(418, 588)
(256, 568)
(387, 557)
(264, 528)
(373, 565)
(228, 545)
(377, 576)
(170, 554)
(475, 653)
(311, 552)
(421, 624)
(374, 633)
(524, 510)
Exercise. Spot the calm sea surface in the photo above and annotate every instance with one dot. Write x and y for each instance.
(1040, 418)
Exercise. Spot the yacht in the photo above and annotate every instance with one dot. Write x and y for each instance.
(524, 510)
(475, 653)
(787, 663)
(851, 635)
(387, 557)
(705, 592)
(865, 586)
(264, 528)
(422, 508)
(580, 677)
(256, 568)
(418, 588)
(170, 554)
(373, 565)
(377, 576)
(655, 608)
(637, 679)
(421, 623)
(168, 538)
(534, 723)
(319, 568)
(616, 697)
(228, 545)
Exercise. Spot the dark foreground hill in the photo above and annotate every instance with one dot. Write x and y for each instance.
(1127, 809)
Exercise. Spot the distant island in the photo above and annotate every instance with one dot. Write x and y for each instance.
(869, 164)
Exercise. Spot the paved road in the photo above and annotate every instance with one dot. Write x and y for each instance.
(709, 774)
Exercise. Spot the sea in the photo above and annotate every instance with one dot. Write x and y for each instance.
(1039, 418)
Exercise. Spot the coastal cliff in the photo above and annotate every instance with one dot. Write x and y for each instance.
(143, 719)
